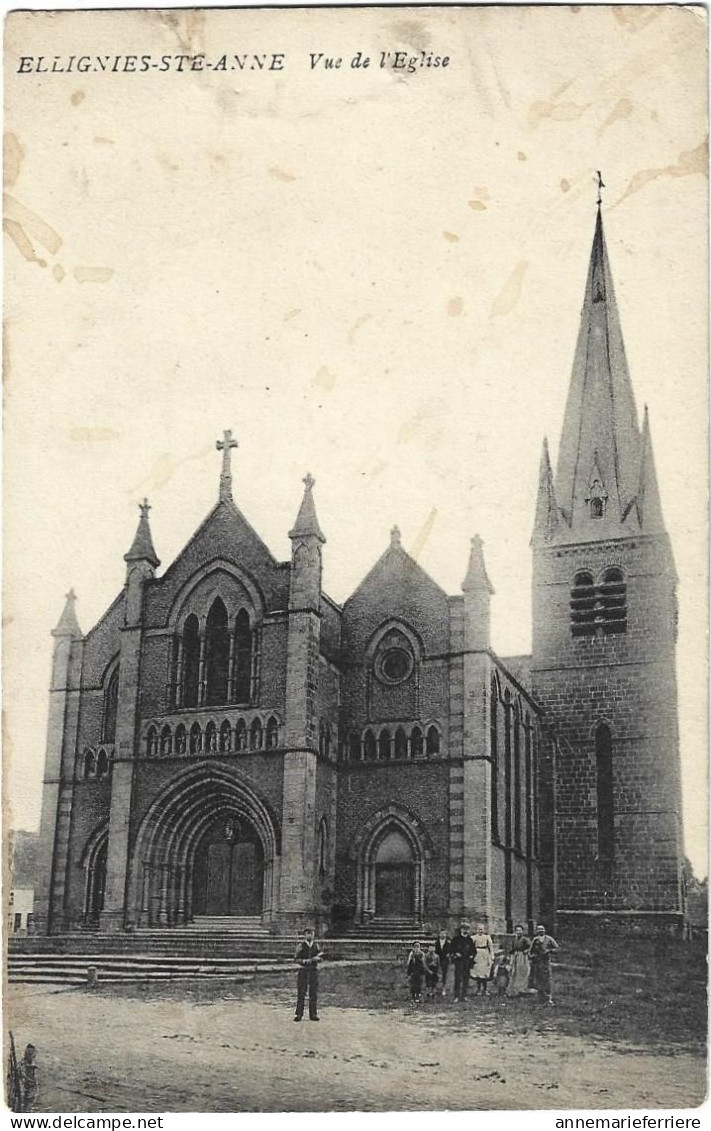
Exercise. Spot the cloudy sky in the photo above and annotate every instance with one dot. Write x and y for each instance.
(371, 274)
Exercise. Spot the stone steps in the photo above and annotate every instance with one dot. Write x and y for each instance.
(62, 969)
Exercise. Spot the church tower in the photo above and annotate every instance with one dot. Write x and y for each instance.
(604, 635)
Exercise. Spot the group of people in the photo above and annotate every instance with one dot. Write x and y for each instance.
(523, 968)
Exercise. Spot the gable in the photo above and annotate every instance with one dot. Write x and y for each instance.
(225, 536)
(396, 588)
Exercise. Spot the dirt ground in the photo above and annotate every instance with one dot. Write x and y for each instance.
(221, 1047)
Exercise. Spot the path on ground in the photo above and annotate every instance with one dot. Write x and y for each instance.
(99, 1052)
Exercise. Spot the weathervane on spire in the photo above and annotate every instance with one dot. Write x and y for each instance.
(144, 508)
(600, 187)
(225, 446)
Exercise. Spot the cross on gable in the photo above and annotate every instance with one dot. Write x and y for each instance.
(225, 445)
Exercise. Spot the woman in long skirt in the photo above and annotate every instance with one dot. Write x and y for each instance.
(519, 964)
(483, 959)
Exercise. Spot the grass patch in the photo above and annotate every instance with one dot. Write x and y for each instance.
(645, 993)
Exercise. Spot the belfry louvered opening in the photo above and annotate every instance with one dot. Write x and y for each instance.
(598, 608)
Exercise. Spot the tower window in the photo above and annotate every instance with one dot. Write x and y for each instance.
(605, 794)
(369, 747)
(416, 743)
(432, 742)
(598, 609)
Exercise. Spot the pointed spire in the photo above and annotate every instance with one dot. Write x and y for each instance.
(306, 520)
(68, 625)
(547, 516)
(142, 546)
(600, 429)
(477, 577)
(649, 507)
(395, 538)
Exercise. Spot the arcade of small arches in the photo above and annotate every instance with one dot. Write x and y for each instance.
(214, 737)
(95, 763)
(405, 743)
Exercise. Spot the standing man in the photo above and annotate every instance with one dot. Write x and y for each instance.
(308, 955)
(542, 948)
(462, 954)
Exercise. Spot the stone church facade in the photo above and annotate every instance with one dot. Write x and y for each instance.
(229, 741)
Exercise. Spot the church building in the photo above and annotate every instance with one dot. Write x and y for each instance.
(229, 741)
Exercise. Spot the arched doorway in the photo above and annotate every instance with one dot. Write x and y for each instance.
(207, 846)
(394, 876)
(95, 884)
(228, 872)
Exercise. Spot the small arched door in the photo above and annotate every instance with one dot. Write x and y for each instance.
(394, 876)
(228, 874)
(96, 884)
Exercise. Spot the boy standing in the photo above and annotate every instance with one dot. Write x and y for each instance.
(432, 966)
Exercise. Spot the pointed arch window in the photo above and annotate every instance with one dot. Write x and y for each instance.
(605, 794)
(517, 778)
(102, 764)
(322, 848)
(181, 739)
(210, 745)
(384, 745)
(195, 739)
(612, 602)
(191, 661)
(432, 742)
(243, 658)
(416, 742)
(255, 735)
(90, 764)
(494, 753)
(152, 742)
(582, 604)
(217, 653)
(166, 741)
(225, 737)
(241, 735)
(369, 747)
(272, 734)
(400, 743)
(110, 708)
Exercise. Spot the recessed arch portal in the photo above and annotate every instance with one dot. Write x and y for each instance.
(391, 850)
(209, 844)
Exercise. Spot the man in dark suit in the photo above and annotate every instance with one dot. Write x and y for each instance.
(462, 953)
(308, 956)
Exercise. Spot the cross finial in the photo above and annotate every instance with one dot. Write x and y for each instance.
(70, 596)
(225, 446)
(600, 187)
(144, 508)
(395, 536)
(309, 481)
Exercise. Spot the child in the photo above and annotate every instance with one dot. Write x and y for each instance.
(416, 971)
(500, 972)
(432, 965)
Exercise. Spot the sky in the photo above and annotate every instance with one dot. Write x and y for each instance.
(370, 274)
